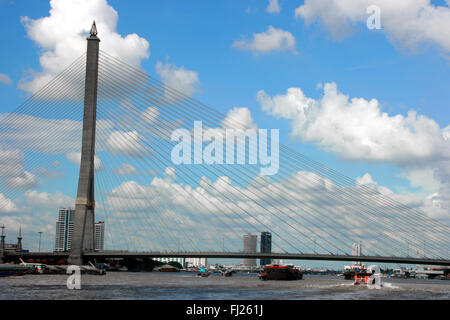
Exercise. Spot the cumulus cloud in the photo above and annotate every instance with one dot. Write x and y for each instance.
(179, 78)
(50, 174)
(7, 205)
(127, 143)
(409, 23)
(10, 162)
(239, 118)
(311, 198)
(62, 37)
(49, 135)
(150, 115)
(357, 129)
(37, 134)
(273, 7)
(125, 169)
(5, 79)
(75, 157)
(45, 200)
(24, 181)
(269, 41)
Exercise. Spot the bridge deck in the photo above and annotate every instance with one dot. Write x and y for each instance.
(238, 255)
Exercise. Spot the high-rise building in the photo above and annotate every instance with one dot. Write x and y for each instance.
(356, 251)
(99, 235)
(196, 262)
(64, 229)
(266, 247)
(250, 247)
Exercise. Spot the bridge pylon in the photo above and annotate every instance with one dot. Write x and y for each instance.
(83, 229)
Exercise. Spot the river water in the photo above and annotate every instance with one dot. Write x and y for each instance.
(187, 286)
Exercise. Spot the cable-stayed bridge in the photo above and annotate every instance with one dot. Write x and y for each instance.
(118, 122)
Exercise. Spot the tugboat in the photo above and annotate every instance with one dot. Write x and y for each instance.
(277, 272)
(364, 276)
(355, 270)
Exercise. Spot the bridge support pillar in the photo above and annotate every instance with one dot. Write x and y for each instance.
(2, 245)
(83, 229)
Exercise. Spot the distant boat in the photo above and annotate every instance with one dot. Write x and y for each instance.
(355, 270)
(10, 270)
(277, 272)
(203, 272)
(167, 268)
(227, 273)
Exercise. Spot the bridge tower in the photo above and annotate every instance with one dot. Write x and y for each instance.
(2, 244)
(83, 229)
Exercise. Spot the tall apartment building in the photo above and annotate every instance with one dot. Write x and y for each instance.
(64, 231)
(250, 247)
(99, 235)
(356, 251)
(266, 247)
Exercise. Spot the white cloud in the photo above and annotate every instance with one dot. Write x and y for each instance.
(24, 181)
(224, 201)
(357, 129)
(50, 174)
(50, 136)
(7, 205)
(408, 22)
(126, 143)
(239, 118)
(181, 79)
(75, 157)
(125, 169)
(423, 178)
(170, 172)
(5, 79)
(273, 7)
(271, 40)
(150, 115)
(45, 200)
(10, 162)
(62, 37)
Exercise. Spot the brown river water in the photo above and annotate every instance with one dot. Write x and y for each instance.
(187, 286)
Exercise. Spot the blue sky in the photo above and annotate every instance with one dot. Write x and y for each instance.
(199, 36)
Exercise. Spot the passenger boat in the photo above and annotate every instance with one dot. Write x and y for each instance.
(277, 272)
(203, 272)
(10, 270)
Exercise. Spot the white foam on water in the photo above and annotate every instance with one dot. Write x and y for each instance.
(384, 285)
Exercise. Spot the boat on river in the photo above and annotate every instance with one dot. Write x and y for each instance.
(203, 272)
(11, 270)
(277, 272)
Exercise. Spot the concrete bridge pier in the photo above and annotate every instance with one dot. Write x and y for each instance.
(83, 231)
